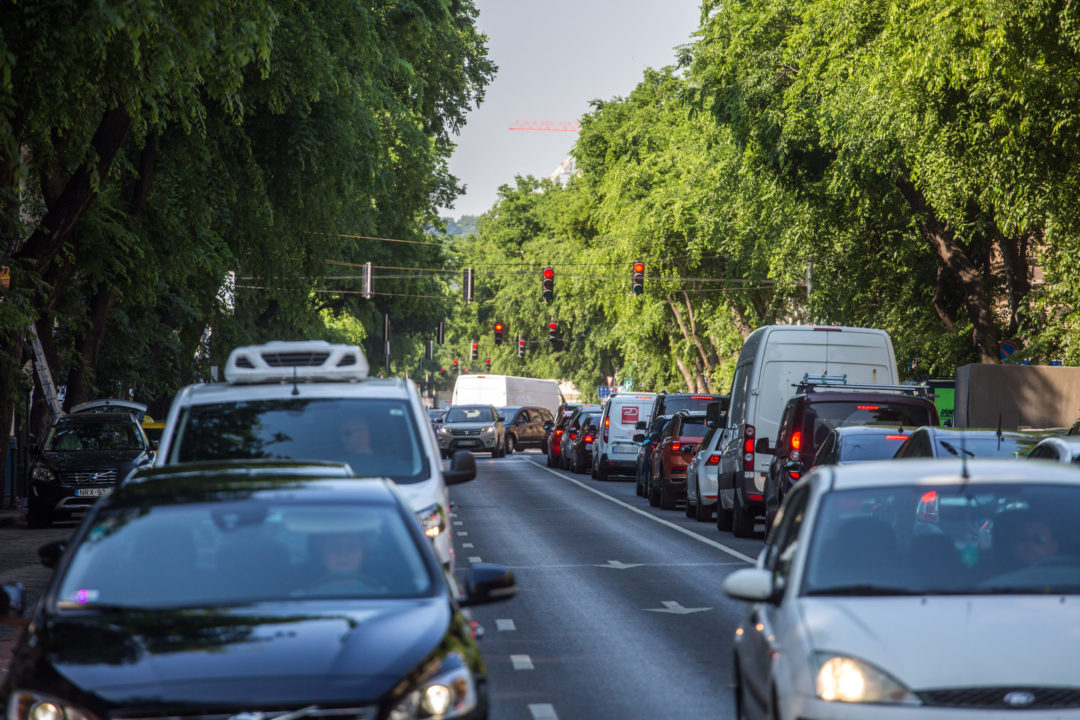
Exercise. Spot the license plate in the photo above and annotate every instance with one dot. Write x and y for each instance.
(93, 492)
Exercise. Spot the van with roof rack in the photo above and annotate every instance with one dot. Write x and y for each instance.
(313, 400)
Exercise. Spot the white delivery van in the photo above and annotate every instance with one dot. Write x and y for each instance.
(772, 362)
(615, 451)
(504, 390)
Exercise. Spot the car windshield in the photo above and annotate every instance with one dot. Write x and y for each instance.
(94, 436)
(377, 437)
(946, 539)
(861, 447)
(675, 403)
(470, 413)
(214, 554)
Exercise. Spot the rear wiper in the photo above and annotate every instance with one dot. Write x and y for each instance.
(952, 448)
(863, 589)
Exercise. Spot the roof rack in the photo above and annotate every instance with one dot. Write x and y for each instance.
(296, 361)
(826, 383)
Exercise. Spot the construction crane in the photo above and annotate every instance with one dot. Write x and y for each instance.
(547, 125)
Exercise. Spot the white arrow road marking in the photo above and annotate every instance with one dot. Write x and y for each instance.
(459, 522)
(521, 662)
(620, 566)
(475, 559)
(466, 545)
(674, 608)
(505, 625)
(543, 711)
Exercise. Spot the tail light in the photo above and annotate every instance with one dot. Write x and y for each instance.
(573, 436)
(713, 460)
(589, 439)
(559, 432)
(748, 448)
(796, 440)
(607, 424)
(676, 446)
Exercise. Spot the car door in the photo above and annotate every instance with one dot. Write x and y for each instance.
(663, 446)
(766, 622)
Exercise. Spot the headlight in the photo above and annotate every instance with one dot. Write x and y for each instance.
(26, 705)
(431, 520)
(450, 693)
(43, 474)
(445, 430)
(847, 679)
(488, 429)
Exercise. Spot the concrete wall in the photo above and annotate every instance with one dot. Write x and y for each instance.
(1024, 396)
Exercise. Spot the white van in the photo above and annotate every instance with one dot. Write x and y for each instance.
(615, 451)
(772, 362)
(506, 390)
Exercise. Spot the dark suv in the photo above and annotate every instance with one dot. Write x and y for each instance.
(816, 409)
(525, 427)
(84, 456)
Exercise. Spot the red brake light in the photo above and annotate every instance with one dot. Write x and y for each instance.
(676, 446)
(589, 438)
(929, 496)
(796, 440)
(896, 437)
(573, 436)
(866, 407)
(701, 397)
(558, 432)
(748, 445)
(713, 460)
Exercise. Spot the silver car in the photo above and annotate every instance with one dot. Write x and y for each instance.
(473, 427)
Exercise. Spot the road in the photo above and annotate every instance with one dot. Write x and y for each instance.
(619, 612)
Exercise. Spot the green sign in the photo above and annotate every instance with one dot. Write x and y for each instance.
(946, 403)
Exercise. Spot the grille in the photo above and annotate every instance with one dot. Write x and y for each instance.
(993, 698)
(361, 713)
(465, 432)
(81, 478)
(295, 359)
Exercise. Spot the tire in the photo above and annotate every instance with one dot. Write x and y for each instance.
(702, 513)
(511, 445)
(593, 472)
(689, 506)
(639, 487)
(653, 493)
(601, 472)
(723, 517)
(38, 519)
(742, 522)
(667, 499)
(550, 459)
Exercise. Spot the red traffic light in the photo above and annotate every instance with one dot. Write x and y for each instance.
(475, 346)
(553, 326)
(549, 272)
(639, 267)
(498, 327)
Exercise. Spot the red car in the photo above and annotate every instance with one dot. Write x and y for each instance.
(671, 457)
(555, 428)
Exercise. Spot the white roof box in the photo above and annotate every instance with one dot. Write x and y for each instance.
(300, 360)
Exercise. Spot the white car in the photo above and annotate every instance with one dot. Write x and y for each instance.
(615, 451)
(701, 480)
(915, 589)
(311, 400)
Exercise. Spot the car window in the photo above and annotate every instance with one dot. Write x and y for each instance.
(200, 555)
(1044, 451)
(377, 437)
(981, 446)
(740, 386)
(946, 539)
(96, 436)
(693, 427)
(466, 413)
(823, 417)
(862, 447)
(785, 535)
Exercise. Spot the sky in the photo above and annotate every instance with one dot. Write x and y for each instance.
(553, 58)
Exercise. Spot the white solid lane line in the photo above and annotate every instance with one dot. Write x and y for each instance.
(712, 543)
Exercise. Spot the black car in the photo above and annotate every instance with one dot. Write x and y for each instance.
(860, 443)
(580, 448)
(574, 426)
(84, 456)
(647, 442)
(183, 597)
(525, 427)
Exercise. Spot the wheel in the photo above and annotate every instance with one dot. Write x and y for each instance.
(702, 512)
(550, 459)
(723, 517)
(592, 470)
(653, 493)
(511, 445)
(38, 519)
(601, 471)
(639, 487)
(742, 521)
(667, 499)
(574, 463)
(689, 506)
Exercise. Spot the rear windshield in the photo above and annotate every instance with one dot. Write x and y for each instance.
(693, 427)
(822, 417)
(377, 437)
(864, 446)
(673, 404)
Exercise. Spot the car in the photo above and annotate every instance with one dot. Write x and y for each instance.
(826, 402)
(1064, 449)
(701, 472)
(436, 416)
(615, 452)
(966, 442)
(674, 448)
(860, 443)
(302, 595)
(524, 427)
(554, 429)
(670, 403)
(647, 444)
(773, 361)
(314, 400)
(83, 457)
(891, 590)
(574, 425)
(580, 445)
(473, 427)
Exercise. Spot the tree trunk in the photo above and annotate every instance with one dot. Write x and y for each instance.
(690, 337)
(688, 377)
(948, 317)
(88, 348)
(1014, 253)
(943, 241)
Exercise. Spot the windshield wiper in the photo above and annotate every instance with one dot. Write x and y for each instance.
(952, 448)
(863, 590)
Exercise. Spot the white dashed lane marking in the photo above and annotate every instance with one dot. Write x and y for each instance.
(475, 559)
(466, 545)
(543, 712)
(505, 625)
(521, 662)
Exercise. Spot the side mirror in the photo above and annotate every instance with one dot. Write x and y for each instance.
(548, 426)
(50, 553)
(639, 438)
(462, 468)
(12, 600)
(488, 583)
(688, 450)
(715, 415)
(793, 466)
(640, 425)
(752, 585)
(762, 446)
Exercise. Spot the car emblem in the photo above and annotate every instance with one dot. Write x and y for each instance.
(93, 477)
(1019, 698)
(248, 716)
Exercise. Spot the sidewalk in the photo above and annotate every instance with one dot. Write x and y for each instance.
(10, 517)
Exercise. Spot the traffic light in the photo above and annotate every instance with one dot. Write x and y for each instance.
(548, 284)
(521, 348)
(442, 371)
(455, 366)
(475, 352)
(553, 332)
(498, 333)
(637, 283)
(487, 364)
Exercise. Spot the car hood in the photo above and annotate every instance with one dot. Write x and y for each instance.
(953, 641)
(86, 461)
(286, 655)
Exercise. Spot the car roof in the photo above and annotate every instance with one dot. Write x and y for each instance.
(177, 487)
(859, 396)
(211, 393)
(244, 469)
(916, 471)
